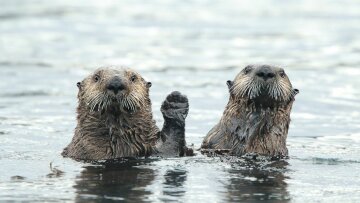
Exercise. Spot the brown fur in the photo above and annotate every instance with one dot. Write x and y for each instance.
(255, 120)
(108, 125)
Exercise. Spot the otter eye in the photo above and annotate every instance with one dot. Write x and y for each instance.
(133, 78)
(96, 78)
(247, 70)
(282, 73)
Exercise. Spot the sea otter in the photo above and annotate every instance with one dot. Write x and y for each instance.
(257, 116)
(114, 119)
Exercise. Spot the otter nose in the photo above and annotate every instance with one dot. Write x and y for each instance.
(116, 85)
(265, 73)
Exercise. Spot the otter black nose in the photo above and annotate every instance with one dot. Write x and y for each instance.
(265, 73)
(116, 85)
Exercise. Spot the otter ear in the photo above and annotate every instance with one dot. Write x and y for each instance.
(78, 84)
(229, 84)
(148, 84)
(296, 91)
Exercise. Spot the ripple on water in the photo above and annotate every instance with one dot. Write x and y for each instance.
(26, 94)
(48, 46)
(333, 161)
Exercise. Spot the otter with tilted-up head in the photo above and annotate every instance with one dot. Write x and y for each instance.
(114, 119)
(257, 116)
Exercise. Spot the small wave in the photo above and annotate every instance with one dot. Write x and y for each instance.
(45, 13)
(27, 94)
(333, 161)
(25, 63)
(254, 162)
(120, 162)
(17, 178)
(329, 161)
(197, 68)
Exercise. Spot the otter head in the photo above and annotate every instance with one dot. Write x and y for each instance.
(263, 85)
(114, 88)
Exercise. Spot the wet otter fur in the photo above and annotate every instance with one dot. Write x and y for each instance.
(257, 116)
(114, 118)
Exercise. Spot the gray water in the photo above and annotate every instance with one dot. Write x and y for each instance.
(193, 46)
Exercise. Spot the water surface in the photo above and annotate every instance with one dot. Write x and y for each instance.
(190, 46)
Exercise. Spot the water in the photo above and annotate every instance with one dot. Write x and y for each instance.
(194, 47)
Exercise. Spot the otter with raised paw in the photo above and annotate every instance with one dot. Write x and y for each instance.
(114, 119)
(257, 117)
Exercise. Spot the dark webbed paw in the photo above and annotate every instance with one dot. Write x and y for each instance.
(175, 107)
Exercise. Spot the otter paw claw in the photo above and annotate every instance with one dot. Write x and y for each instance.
(175, 106)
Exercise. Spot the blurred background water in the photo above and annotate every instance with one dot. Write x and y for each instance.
(193, 46)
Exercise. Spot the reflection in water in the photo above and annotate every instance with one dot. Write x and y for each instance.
(120, 181)
(128, 180)
(257, 181)
(174, 184)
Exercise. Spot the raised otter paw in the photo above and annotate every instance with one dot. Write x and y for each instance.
(175, 107)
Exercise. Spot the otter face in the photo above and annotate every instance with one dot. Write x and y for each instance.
(114, 87)
(263, 84)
